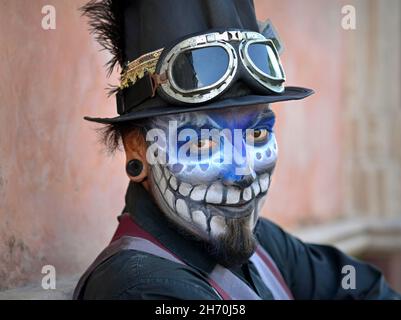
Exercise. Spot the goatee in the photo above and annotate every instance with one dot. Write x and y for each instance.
(236, 245)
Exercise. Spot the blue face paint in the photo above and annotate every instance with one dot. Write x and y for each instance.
(221, 169)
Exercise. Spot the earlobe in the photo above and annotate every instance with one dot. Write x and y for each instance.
(135, 150)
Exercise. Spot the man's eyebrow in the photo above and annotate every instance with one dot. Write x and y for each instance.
(267, 114)
(183, 120)
(193, 121)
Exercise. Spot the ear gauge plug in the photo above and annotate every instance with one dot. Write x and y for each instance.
(134, 168)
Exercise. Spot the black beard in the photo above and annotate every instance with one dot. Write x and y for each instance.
(235, 246)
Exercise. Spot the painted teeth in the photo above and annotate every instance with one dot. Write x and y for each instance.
(167, 174)
(264, 182)
(163, 185)
(200, 219)
(185, 189)
(217, 225)
(233, 196)
(173, 183)
(260, 203)
(253, 220)
(168, 195)
(215, 193)
(157, 173)
(255, 187)
(182, 209)
(198, 193)
(247, 194)
(259, 209)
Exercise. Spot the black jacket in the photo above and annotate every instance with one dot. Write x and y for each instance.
(311, 271)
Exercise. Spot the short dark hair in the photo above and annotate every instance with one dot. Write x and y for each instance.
(111, 135)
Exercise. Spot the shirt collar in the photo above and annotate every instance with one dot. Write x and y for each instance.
(145, 212)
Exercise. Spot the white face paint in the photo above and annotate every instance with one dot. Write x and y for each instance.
(202, 193)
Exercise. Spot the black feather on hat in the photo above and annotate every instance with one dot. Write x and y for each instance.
(129, 29)
(105, 20)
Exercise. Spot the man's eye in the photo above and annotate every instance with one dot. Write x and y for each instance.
(202, 145)
(257, 136)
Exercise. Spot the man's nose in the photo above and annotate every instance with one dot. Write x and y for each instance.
(241, 172)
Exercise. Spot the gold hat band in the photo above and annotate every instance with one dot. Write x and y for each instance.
(136, 69)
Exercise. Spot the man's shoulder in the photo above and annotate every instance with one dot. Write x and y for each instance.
(283, 247)
(271, 235)
(137, 275)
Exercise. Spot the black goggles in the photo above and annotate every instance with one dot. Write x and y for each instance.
(201, 68)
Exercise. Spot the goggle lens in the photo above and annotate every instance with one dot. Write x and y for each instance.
(200, 68)
(264, 58)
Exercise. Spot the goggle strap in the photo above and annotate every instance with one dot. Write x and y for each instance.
(269, 32)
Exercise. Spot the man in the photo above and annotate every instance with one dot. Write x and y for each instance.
(197, 82)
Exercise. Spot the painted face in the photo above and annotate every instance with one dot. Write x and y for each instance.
(210, 172)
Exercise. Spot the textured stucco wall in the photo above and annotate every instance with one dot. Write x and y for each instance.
(59, 194)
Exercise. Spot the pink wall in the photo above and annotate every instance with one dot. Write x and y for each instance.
(306, 184)
(59, 195)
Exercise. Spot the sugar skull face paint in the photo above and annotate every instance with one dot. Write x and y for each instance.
(213, 187)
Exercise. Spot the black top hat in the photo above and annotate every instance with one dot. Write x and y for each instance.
(130, 29)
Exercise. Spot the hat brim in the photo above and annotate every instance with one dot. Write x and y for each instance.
(157, 107)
